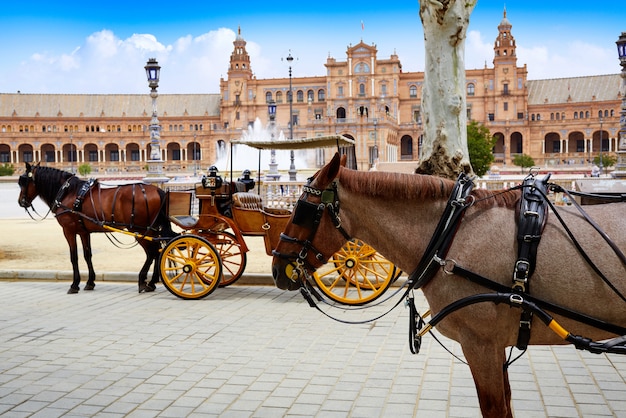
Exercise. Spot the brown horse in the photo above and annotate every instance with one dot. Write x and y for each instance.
(402, 214)
(81, 208)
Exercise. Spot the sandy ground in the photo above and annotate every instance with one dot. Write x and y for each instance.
(40, 245)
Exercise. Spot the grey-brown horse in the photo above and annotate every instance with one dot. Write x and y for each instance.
(402, 214)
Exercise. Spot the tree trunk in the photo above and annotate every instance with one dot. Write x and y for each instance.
(444, 113)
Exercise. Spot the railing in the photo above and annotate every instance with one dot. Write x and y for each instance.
(285, 194)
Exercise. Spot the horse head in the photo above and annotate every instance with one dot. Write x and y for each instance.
(28, 191)
(313, 233)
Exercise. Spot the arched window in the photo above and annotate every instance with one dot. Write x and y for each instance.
(321, 95)
(413, 91)
(300, 96)
(268, 97)
(362, 89)
(310, 96)
(279, 97)
(471, 89)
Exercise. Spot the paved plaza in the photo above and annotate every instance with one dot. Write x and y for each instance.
(256, 351)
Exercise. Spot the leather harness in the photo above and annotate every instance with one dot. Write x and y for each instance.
(531, 218)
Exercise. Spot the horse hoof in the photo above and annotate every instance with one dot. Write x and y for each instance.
(142, 287)
(90, 286)
(150, 287)
(72, 291)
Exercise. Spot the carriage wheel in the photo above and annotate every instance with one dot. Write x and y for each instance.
(233, 259)
(356, 274)
(190, 267)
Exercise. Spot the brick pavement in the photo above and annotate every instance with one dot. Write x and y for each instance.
(256, 351)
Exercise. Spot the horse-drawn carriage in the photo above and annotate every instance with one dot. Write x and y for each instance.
(209, 249)
(228, 211)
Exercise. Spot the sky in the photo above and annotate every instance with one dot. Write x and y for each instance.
(72, 47)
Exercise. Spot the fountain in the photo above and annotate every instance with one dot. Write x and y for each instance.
(245, 157)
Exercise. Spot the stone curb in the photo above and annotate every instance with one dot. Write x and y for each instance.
(250, 279)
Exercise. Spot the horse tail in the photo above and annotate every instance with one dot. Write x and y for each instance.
(163, 222)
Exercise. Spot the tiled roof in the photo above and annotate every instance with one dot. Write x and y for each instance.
(107, 105)
(574, 89)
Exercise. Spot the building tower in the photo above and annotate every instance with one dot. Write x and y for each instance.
(239, 75)
(504, 47)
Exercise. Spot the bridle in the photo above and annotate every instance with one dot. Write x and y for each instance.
(309, 215)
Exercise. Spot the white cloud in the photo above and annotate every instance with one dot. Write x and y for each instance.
(106, 64)
(477, 51)
(103, 63)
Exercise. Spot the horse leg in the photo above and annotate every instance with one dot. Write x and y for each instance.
(143, 273)
(153, 250)
(491, 379)
(71, 242)
(85, 238)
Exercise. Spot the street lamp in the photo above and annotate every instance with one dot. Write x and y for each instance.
(292, 166)
(195, 168)
(71, 155)
(620, 169)
(375, 153)
(271, 114)
(601, 164)
(155, 166)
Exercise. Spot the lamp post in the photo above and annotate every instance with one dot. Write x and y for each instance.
(620, 169)
(375, 153)
(601, 164)
(71, 155)
(195, 158)
(292, 166)
(271, 114)
(155, 163)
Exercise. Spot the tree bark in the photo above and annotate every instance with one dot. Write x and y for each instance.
(444, 113)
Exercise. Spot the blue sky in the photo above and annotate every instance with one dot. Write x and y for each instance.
(88, 48)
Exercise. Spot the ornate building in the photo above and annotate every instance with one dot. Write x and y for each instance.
(561, 123)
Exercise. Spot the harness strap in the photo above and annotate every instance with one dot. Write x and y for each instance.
(531, 220)
(552, 307)
(444, 233)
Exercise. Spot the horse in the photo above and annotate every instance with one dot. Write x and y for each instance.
(82, 207)
(403, 211)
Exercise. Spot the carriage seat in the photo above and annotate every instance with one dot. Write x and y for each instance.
(179, 209)
(248, 213)
(247, 200)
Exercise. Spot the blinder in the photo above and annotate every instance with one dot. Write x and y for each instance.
(304, 214)
(308, 215)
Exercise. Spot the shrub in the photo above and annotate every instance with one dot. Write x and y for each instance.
(7, 169)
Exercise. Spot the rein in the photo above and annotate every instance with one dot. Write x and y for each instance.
(309, 214)
(517, 296)
(76, 209)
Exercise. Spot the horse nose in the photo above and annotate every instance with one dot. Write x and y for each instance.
(282, 279)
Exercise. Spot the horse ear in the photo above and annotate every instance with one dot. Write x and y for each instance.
(328, 173)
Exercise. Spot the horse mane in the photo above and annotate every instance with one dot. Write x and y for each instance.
(49, 180)
(420, 187)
